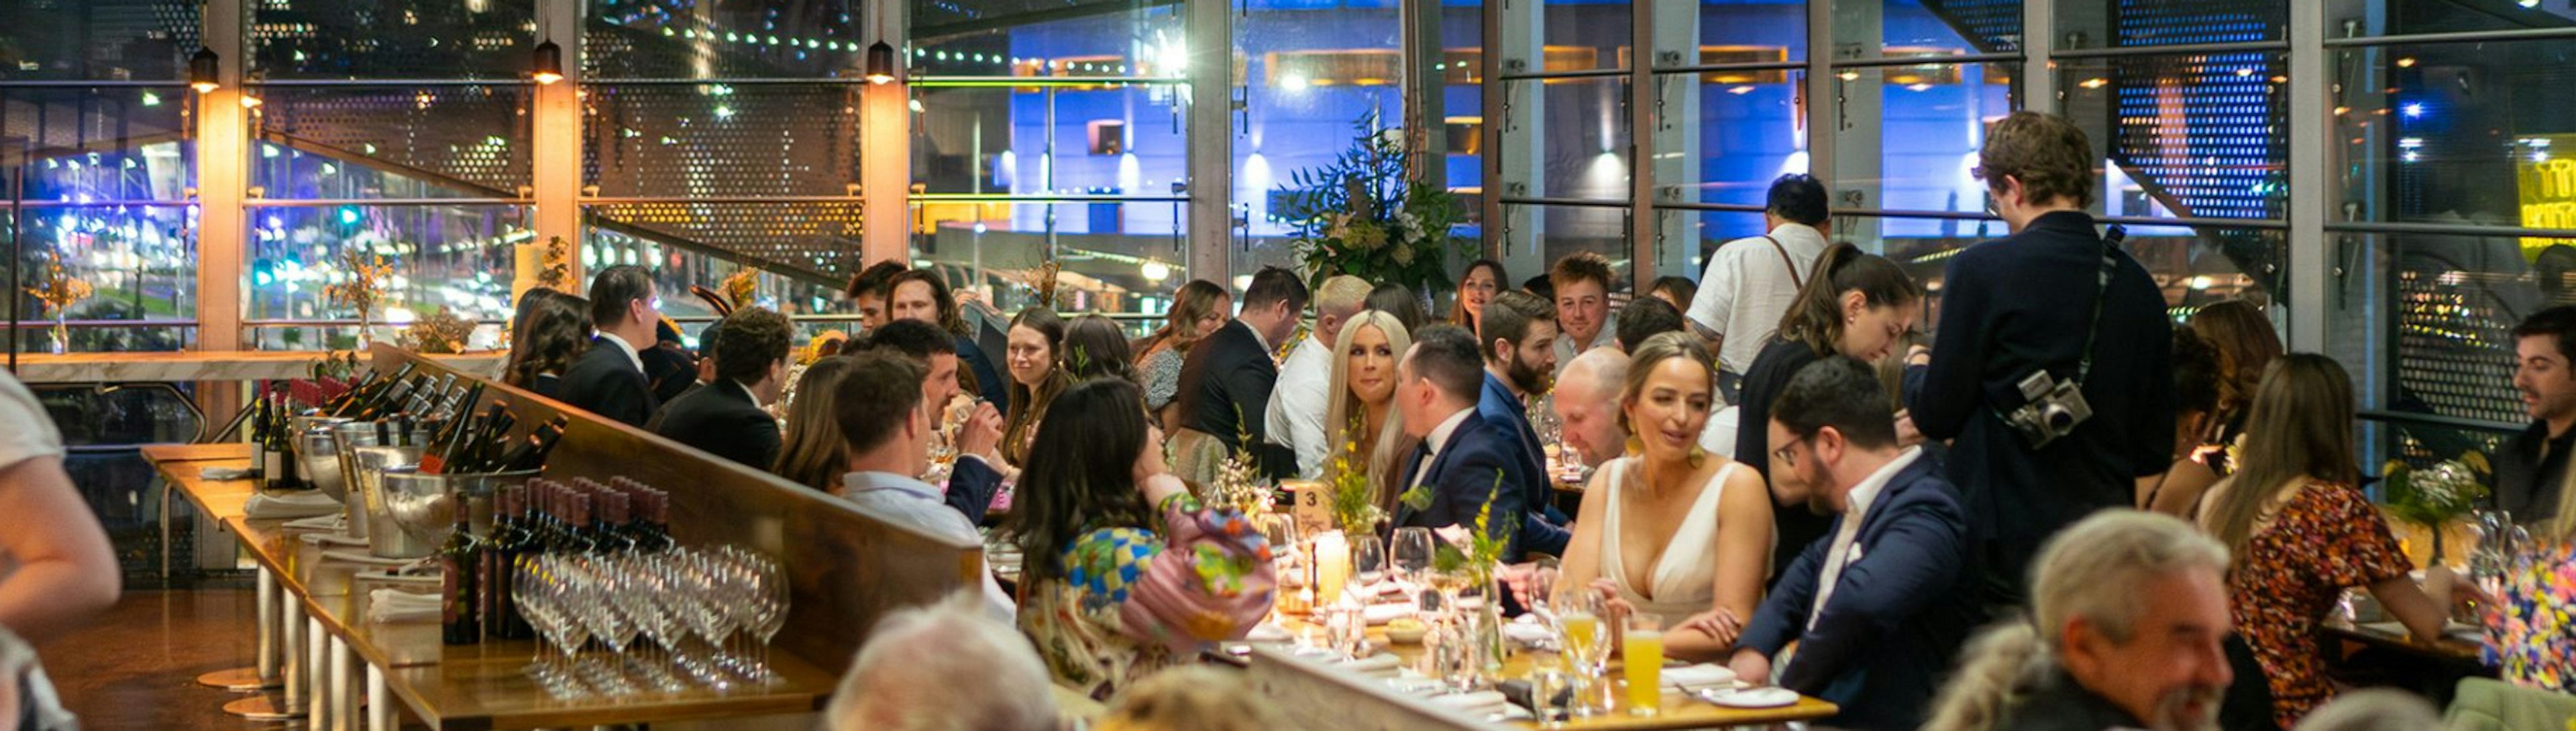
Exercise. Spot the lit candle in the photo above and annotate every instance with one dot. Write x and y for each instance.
(1332, 566)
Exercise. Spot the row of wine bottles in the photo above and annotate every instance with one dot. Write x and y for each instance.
(272, 443)
(542, 517)
(430, 412)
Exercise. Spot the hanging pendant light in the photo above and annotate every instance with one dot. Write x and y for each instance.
(549, 63)
(205, 74)
(881, 63)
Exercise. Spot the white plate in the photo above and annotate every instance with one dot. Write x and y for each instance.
(1751, 697)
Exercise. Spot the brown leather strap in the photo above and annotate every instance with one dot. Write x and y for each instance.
(1792, 262)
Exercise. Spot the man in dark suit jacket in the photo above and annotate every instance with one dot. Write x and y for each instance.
(1227, 377)
(1467, 464)
(2027, 304)
(1881, 604)
(973, 478)
(608, 380)
(726, 416)
(1519, 348)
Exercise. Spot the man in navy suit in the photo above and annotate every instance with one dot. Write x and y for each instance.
(728, 416)
(973, 478)
(608, 380)
(1519, 349)
(1881, 604)
(1467, 463)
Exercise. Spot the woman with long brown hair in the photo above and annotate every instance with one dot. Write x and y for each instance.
(810, 454)
(2301, 532)
(1198, 308)
(1034, 364)
(2247, 345)
(1476, 288)
(553, 332)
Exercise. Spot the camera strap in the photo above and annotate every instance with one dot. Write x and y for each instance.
(2110, 243)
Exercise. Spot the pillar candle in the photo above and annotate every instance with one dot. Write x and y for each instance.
(1332, 566)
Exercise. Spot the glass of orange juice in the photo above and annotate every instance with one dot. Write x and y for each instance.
(1643, 650)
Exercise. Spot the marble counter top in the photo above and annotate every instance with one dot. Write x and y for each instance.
(200, 366)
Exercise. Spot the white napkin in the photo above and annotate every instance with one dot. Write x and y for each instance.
(1383, 613)
(223, 473)
(1699, 676)
(1268, 632)
(1528, 634)
(289, 505)
(1371, 665)
(335, 539)
(1476, 702)
(389, 575)
(318, 522)
(367, 558)
(394, 605)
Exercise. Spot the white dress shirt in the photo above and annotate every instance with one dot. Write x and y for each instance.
(1566, 349)
(1746, 289)
(1438, 438)
(1843, 551)
(623, 347)
(1298, 401)
(913, 502)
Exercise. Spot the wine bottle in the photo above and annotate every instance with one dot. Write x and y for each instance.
(501, 552)
(459, 561)
(282, 429)
(609, 525)
(653, 523)
(574, 538)
(360, 401)
(531, 454)
(263, 445)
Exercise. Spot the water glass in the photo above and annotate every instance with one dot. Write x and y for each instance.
(1412, 551)
(1368, 566)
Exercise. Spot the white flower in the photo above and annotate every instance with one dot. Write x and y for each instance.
(1408, 226)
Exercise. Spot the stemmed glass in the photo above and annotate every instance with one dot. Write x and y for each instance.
(1412, 552)
(534, 595)
(769, 600)
(1368, 567)
(1582, 619)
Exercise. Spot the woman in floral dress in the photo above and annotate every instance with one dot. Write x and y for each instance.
(1126, 573)
(2301, 533)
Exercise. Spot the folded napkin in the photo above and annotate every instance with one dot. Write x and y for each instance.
(1476, 702)
(223, 473)
(390, 575)
(1268, 632)
(1699, 676)
(367, 558)
(1527, 633)
(1384, 613)
(394, 605)
(318, 522)
(270, 506)
(333, 539)
(1371, 665)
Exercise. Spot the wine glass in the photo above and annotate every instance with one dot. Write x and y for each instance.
(648, 601)
(769, 599)
(1368, 566)
(1412, 552)
(1583, 620)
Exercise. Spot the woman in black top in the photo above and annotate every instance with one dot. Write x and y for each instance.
(1856, 304)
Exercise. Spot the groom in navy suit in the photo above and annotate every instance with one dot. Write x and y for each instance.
(1880, 605)
(1466, 461)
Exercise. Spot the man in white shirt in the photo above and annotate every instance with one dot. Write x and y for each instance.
(1878, 608)
(887, 433)
(1297, 404)
(1750, 282)
(1582, 283)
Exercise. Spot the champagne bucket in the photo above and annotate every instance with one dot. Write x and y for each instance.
(318, 451)
(422, 508)
(300, 450)
(346, 437)
(369, 464)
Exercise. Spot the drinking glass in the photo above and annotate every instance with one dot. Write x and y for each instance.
(1579, 618)
(1542, 586)
(1368, 566)
(1546, 681)
(770, 597)
(1643, 655)
(1412, 551)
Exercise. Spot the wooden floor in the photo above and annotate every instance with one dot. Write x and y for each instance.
(136, 667)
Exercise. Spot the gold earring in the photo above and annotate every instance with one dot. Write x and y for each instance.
(1698, 456)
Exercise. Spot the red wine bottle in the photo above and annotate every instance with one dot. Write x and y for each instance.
(459, 563)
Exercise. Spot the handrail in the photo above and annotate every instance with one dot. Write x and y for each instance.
(2455, 422)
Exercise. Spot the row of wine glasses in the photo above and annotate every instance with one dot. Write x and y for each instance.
(708, 616)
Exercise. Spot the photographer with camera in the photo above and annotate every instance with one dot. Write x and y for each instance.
(2050, 372)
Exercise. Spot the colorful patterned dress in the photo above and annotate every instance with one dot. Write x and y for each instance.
(2326, 538)
(2531, 630)
(1133, 602)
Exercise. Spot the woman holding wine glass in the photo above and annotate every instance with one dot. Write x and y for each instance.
(1086, 525)
(1684, 535)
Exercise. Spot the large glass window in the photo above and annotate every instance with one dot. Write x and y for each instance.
(99, 179)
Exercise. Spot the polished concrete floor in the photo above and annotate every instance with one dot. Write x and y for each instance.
(136, 667)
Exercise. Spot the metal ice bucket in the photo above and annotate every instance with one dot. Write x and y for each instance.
(317, 450)
(346, 437)
(422, 508)
(368, 465)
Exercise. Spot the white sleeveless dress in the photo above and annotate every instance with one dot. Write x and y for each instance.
(1684, 578)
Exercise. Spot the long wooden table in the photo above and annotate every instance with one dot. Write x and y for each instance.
(464, 687)
(1677, 711)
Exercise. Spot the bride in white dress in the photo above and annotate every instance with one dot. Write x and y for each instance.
(1672, 530)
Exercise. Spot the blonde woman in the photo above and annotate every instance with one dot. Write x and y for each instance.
(1362, 422)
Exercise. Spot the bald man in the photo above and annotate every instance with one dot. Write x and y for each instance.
(1587, 403)
(1295, 414)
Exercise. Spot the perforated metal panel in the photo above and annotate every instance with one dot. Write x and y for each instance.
(1991, 25)
(719, 140)
(813, 241)
(674, 39)
(470, 138)
(97, 39)
(392, 39)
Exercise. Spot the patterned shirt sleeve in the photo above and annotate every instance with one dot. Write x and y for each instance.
(2357, 549)
(1207, 578)
(1162, 378)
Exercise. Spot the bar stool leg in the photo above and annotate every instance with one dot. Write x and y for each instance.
(281, 627)
(264, 676)
(381, 715)
(317, 669)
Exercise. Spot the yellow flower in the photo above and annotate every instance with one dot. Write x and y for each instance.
(2477, 461)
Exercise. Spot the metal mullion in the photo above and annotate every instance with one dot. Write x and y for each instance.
(1644, 101)
(2446, 229)
(2524, 34)
(1887, 61)
(388, 202)
(2310, 124)
(2182, 49)
(1564, 202)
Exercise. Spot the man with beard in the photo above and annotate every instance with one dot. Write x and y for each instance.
(2534, 463)
(2128, 612)
(1519, 333)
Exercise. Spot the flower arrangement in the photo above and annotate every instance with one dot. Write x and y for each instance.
(1043, 281)
(2437, 494)
(1476, 553)
(1353, 509)
(59, 290)
(555, 271)
(440, 331)
(365, 284)
(1238, 480)
(742, 288)
(1370, 215)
